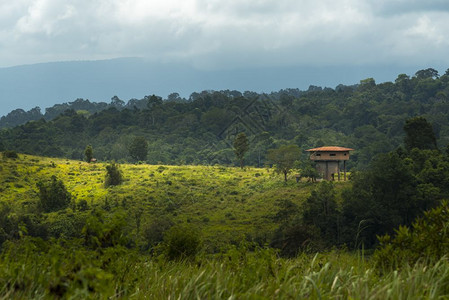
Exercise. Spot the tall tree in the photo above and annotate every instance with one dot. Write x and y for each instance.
(419, 134)
(241, 146)
(53, 195)
(88, 153)
(113, 176)
(284, 158)
(138, 149)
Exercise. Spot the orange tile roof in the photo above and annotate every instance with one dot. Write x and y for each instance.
(330, 148)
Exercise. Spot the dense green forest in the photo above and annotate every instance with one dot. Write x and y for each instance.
(368, 117)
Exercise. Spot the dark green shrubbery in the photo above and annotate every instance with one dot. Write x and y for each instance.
(153, 233)
(10, 154)
(53, 195)
(428, 238)
(103, 230)
(181, 242)
(114, 175)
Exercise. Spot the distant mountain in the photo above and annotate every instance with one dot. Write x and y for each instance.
(46, 84)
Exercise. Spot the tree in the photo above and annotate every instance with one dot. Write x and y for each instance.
(427, 73)
(308, 170)
(53, 195)
(89, 153)
(138, 149)
(380, 199)
(113, 175)
(320, 210)
(241, 146)
(419, 134)
(284, 158)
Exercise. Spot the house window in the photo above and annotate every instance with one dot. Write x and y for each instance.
(332, 154)
(318, 154)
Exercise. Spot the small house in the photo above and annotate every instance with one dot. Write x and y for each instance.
(328, 160)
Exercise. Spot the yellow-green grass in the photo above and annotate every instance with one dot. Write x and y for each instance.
(227, 203)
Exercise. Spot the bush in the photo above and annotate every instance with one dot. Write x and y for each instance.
(181, 242)
(53, 195)
(153, 233)
(103, 230)
(113, 175)
(10, 154)
(428, 238)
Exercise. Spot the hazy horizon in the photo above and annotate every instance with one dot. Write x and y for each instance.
(46, 84)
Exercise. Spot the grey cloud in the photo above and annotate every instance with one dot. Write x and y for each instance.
(400, 7)
(225, 34)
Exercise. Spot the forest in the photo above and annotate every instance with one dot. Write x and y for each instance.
(368, 117)
(192, 198)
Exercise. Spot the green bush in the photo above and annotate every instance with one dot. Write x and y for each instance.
(153, 233)
(114, 175)
(103, 230)
(10, 154)
(53, 195)
(428, 238)
(181, 242)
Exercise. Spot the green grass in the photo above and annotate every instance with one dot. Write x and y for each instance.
(227, 204)
(230, 206)
(36, 270)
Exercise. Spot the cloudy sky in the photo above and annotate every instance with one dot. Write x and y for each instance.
(217, 34)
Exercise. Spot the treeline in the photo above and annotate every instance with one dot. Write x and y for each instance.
(368, 117)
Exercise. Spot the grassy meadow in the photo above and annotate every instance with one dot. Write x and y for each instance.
(228, 204)
(232, 209)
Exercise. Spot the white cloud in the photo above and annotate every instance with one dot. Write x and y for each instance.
(225, 34)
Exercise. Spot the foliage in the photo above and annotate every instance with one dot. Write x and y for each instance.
(181, 242)
(153, 233)
(98, 252)
(308, 170)
(114, 175)
(103, 230)
(284, 158)
(53, 195)
(419, 134)
(395, 190)
(241, 146)
(64, 270)
(427, 239)
(321, 211)
(138, 149)
(368, 117)
(10, 154)
(88, 153)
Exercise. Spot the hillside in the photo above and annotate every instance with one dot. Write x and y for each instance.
(118, 242)
(228, 204)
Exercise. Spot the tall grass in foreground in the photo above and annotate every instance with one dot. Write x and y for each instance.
(33, 270)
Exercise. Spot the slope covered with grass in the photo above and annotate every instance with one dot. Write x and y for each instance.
(227, 204)
(111, 243)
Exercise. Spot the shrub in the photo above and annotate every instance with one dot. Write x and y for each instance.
(428, 238)
(105, 230)
(181, 242)
(10, 154)
(82, 205)
(153, 233)
(113, 175)
(53, 195)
